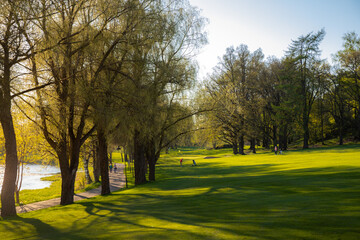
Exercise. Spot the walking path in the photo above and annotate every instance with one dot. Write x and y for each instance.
(117, 181)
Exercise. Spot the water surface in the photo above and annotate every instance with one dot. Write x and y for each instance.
(33, 174)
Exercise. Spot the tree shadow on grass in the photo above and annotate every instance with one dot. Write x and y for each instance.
(298, 203)
(246, 201)
(143, 206)
(33, 228)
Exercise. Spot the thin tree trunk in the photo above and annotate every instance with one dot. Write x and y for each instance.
(285, 138)
(357, 109)
(275, 142)
(139, 160)
(241, 144)
(306, 131)
(96, 163)
(252, 145)
(11, 162)
(104, 162)
(152, 171)
(341, 133)
(151, 159)
(20, 174)
(265, 141)
(322, 122)
(86, 168)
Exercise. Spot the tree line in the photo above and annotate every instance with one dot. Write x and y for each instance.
(274, 102)
(94, 72)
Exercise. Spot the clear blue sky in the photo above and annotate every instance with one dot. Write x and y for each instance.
(272, 24)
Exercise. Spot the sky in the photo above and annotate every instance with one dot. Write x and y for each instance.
(272, 24)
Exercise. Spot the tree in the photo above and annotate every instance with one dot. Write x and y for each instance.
(349, 60)
(158, 68)
(233, 88)
(71, 28)
(13, 52)
(304, 52)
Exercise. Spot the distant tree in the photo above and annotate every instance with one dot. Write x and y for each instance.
(234, 92)
(349, 61)
(304, 52)
(339, 108)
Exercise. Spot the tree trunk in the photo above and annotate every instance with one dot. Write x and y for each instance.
(275, 142)
(357, 109)
(235, 147)
(241, 144)
(284, 145)
(265, 133)
(306, 130)
(139, 159)
(252, 145)
(86, 168)
(357, 126)
(67, 186)
(265, 141)
(341, 134)
(11, 162)
(151, 159)
(96, 163)
(305, 107)
(104, 161)
(322, 123)
(68, 170)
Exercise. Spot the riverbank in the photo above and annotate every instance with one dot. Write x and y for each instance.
(117, 181)
(33, 174)
(54, 190)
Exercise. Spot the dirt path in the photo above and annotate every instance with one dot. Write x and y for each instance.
(117, 181)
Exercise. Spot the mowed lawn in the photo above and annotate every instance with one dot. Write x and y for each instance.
(313, 194)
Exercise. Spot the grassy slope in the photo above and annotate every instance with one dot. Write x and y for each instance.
(313, 194)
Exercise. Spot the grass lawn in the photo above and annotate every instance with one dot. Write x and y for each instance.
(312, 194)
(54, 190)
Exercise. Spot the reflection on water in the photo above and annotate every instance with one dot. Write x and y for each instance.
(32, 175)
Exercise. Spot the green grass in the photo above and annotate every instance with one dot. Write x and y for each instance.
(312, 194)
(54, 190)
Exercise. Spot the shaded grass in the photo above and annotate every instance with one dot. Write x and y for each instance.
(313, 194)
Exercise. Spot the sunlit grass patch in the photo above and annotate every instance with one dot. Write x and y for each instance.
(310, 194)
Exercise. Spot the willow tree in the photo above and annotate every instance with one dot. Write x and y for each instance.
(109, 59)
(156, 68)
(171, 72)
(74, 29)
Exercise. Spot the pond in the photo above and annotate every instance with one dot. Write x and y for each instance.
(33, 174)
